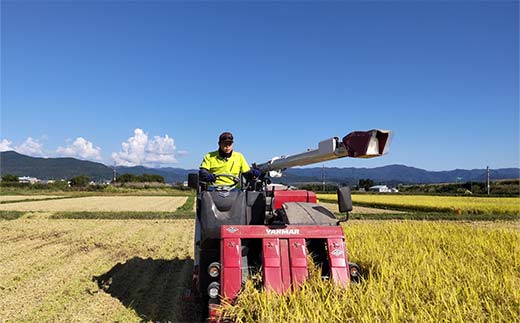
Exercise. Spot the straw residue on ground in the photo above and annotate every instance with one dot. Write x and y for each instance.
(69, 270)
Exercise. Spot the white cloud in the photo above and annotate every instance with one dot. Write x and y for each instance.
(81, 148)
(5, 145)
(139, 150)
(31, 147)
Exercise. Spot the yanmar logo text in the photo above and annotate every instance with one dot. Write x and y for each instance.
(282, 231)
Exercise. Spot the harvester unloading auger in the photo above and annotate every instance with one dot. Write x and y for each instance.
(253, 228)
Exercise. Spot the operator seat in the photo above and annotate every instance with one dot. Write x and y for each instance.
(219, 208)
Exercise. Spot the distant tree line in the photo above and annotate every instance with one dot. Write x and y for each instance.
(143, 178)
(364, 183)
(9, 178)
(500, 187)
(80, 181)
(319, 187)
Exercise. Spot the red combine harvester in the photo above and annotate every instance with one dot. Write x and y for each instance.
(257, 228)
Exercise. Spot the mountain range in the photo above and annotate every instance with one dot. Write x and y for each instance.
(65, 168)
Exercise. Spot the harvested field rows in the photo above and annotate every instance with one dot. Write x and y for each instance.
(101, 204)
(75, 270)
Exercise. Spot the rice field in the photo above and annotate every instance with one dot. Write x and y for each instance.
(454, 204)
(57, 269)
(103, 270)
(100, 204)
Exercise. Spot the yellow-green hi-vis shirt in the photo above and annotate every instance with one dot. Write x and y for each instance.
(235, 165)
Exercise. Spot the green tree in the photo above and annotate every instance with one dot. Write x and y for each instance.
(126, 178)
(10, 178)
(129, 178)
(151, 178)
(80, 181)
(366, 183)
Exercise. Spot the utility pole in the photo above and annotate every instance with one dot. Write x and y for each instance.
(487, 172)
(114, 172)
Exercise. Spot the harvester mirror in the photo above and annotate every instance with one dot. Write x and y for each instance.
(344, 199)
(193, 181)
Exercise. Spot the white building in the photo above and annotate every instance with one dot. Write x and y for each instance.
(27, 179)
(382, 189)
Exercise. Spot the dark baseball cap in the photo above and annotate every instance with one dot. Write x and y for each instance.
(225, 136)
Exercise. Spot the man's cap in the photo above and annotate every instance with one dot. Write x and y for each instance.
(225, 136)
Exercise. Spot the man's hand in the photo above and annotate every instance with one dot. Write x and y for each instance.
(206, 176)
(210, 178)
(255, 172)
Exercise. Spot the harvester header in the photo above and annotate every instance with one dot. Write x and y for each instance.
(357, 144)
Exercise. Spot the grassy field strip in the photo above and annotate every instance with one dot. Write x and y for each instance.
(102, 204)
(56, 284)
(333, 207)
(18, 198)
(107, 191)
(413, 271)
(10, 215)
(454, 204)
(42, 199)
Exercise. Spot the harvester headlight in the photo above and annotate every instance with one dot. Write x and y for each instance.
(355, 272)
(213, 290)
(214, 269)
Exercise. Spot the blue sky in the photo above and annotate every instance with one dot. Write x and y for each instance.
(155, 83)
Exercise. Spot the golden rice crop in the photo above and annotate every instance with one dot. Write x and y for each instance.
(413, 272)
(462, 204)
(101, 204)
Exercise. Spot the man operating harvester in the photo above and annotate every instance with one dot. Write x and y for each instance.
(222, 161)
(225, 161)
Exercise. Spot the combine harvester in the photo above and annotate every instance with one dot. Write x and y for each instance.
(257, 229)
